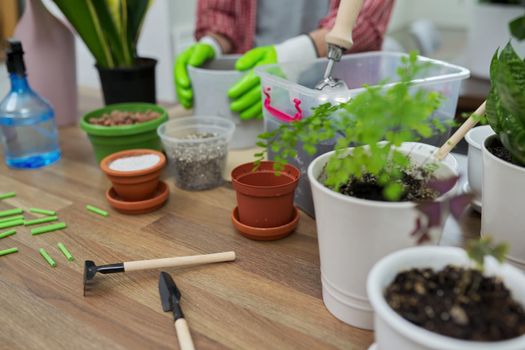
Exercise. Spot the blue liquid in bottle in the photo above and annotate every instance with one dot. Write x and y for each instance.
(27, 123)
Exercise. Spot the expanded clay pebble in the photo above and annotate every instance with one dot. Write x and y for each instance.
(7, 195)
(134, 163)
(198, 165)
(123, 118)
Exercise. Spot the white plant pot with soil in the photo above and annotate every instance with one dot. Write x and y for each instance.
(393, 332)
(503, 203)
(211, 83)
(355, 233)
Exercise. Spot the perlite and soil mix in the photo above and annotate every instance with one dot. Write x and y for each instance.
(198, 163)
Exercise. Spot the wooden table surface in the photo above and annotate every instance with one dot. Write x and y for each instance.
(269, 298)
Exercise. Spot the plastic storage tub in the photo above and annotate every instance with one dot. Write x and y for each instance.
(289, 94)
(211, 83)
(197, 148)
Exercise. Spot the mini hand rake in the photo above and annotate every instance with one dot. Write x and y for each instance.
(90, 269)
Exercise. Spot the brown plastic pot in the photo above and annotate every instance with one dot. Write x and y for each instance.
(265, 200)
(134, 185)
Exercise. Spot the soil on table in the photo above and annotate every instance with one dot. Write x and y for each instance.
(416, 188)
(117, 117)
(457, 302)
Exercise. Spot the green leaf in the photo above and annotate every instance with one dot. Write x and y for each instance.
(136, 11)
(82, 16)
(510, 81)
(517, 28)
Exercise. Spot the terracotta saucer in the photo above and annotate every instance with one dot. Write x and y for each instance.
(264, 234)
(158, 199)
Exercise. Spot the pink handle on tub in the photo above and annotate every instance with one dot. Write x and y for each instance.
(282, 116)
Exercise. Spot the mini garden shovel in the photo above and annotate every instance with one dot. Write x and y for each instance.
(339, 39)
(90, 269)
(170, 299)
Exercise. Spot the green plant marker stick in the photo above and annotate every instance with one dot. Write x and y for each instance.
(10, 212)
(66, 252)
(7, 195)
(42, 211)
(48, 228)
(8, 251)
(41, 220)
(11, 218)
(46, 256)
(12, 223)
(97, 210)
(7, 233)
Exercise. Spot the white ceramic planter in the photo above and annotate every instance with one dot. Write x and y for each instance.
(355, 233)
(475, 138)
(210, 85)
(503, 204)
(488, 30)
(393, 332)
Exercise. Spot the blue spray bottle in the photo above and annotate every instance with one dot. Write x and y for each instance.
(27, 122)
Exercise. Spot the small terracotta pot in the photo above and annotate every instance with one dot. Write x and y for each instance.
(265, 200)
(134, 185)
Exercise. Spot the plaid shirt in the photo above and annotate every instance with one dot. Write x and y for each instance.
(235, 19)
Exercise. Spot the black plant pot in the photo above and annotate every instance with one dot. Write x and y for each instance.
(129, 84)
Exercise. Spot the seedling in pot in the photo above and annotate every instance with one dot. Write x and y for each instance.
(456, 301)
(378, 121)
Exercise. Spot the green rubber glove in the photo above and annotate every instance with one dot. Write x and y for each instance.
(195, 55)
(246, 93)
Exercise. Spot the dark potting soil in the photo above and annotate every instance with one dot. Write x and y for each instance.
(497, 149)
(117, 117)
(457, 302)
(416, 188)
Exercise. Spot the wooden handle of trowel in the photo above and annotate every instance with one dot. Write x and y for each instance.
(183, 335)
(179, 261)
(341, 33)
(444, 150)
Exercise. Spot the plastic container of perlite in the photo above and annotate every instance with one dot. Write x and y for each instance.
(197, 149)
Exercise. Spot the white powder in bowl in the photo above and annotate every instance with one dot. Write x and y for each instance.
(134, 163)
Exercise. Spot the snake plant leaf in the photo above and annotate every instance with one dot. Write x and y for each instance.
(112, 28)
(82, 16)
(517, 28)
(136, 11)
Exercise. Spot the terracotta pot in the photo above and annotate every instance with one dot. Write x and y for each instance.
(134, 185)
(264, 199)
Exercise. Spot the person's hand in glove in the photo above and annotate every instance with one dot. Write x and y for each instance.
(195, 55)
(246, 93)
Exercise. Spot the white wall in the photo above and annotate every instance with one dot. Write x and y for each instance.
(444, 13)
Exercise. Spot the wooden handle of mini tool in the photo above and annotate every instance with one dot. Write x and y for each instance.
(179, 261)
(183, 334)
(341, 33)
(444, 150)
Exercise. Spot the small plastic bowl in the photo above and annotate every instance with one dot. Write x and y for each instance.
(198, 162)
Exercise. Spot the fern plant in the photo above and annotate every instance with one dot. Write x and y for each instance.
(377, 120)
